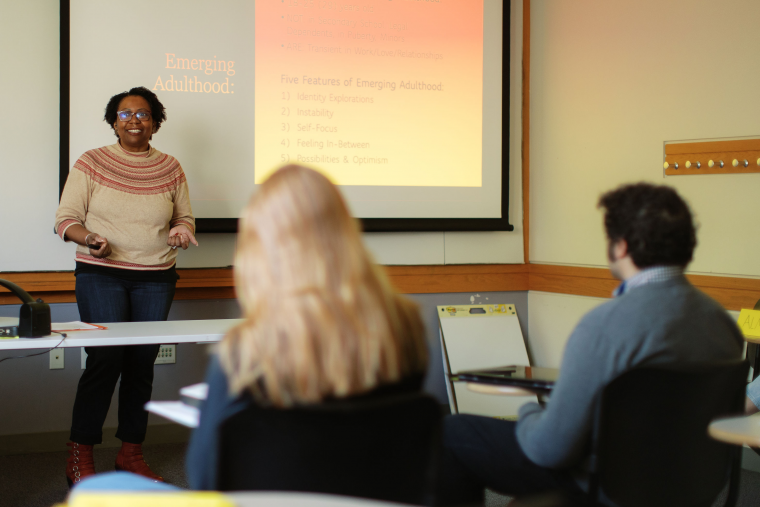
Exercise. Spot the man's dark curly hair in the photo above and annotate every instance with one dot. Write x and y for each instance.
(157, 111)
(653, 220)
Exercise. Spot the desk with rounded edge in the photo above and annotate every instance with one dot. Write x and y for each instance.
(497, 390)
(741, 430)
(507, 385)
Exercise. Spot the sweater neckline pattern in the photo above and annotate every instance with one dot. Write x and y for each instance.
(106, 166)
(139, 154)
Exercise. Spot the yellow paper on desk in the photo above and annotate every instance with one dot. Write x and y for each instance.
(167, 499)
(749, 323)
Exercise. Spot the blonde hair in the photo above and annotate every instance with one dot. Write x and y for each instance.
(320, 317)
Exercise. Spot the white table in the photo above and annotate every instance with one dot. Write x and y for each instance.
(497, 390)
(739, 430)
(127, 333)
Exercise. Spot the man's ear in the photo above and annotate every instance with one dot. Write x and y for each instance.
(620, 248)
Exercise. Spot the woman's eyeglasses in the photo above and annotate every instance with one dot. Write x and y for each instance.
(127, 115)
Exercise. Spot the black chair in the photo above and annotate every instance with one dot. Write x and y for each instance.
(383, 449)
(651, 443)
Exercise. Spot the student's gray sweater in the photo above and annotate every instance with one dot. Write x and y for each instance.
(668, 322)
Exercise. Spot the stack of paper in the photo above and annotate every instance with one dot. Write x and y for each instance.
(175, 411)
(62, 327)
(195, 394)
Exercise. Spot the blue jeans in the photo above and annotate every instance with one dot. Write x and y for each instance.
(102, 298)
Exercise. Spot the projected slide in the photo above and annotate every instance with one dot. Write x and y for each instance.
(374, 93)
(397, 101)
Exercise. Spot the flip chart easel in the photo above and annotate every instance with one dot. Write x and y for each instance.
(475, 337)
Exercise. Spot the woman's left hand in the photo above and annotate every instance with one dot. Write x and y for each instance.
(181, 236)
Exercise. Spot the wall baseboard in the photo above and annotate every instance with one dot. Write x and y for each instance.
(56, 440)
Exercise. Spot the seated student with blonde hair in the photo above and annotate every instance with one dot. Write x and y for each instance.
(321, 321)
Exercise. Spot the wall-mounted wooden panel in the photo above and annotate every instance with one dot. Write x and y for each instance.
(687, 158)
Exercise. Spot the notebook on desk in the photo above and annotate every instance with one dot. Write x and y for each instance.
(527, 377)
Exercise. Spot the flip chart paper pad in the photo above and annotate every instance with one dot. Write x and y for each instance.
(749, 323)
(476, 337)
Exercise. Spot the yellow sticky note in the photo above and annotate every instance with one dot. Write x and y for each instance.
(153, 499)
(749, 323)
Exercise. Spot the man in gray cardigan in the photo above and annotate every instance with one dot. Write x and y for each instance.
(656, 317)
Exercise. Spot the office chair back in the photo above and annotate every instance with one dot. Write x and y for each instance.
(651, 443)
(384, 449)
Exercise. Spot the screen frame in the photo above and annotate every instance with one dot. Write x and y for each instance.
(230, 225)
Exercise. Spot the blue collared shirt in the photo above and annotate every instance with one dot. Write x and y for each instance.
(648, 275)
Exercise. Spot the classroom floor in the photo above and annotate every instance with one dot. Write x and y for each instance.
(38, 480)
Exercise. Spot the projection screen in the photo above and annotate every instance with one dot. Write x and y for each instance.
(399, 102)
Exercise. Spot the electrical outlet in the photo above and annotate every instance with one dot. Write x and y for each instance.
(56, 359)
(83, 356)
(167, 354)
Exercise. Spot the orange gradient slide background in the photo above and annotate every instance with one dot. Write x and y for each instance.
(401, 137)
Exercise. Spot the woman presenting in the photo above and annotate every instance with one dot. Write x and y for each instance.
(128, 209)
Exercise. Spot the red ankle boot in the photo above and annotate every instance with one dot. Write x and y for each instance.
(79, 463)
(130, 459)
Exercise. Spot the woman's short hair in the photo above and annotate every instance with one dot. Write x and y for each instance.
(157, 110)
(320, 317)
(653, 220)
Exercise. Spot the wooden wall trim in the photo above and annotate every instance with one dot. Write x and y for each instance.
(58, 286)
(526, 129)
(464, 278)
(734, 293)
(595, 282)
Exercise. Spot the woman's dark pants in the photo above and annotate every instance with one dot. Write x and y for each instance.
(102, 298)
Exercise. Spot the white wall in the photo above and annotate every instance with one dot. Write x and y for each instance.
(29, 34)
(611, 81)
(551, 319)
(29, 136)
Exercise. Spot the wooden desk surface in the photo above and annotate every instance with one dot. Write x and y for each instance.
(497, 390)
(738, 430)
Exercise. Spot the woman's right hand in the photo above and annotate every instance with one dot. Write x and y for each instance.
(103, 250)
